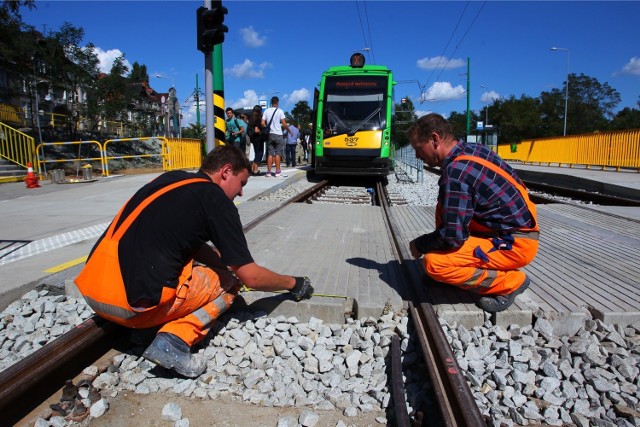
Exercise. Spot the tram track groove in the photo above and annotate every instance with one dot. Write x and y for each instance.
(456, 402)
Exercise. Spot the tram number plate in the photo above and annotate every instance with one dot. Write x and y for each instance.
(351, 141)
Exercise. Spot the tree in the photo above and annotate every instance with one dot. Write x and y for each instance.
(405, 115)
(139, 73)
(590, 105)
(517, 119)
(627, 118)
(301, 113)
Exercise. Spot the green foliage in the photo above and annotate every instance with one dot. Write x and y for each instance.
(627, 118)
(404, 116)
(301, 113)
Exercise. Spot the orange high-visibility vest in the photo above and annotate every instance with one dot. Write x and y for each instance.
(100, 281)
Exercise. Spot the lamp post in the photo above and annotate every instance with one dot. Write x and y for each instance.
(486, 109)
(566, 88)
(37, 112)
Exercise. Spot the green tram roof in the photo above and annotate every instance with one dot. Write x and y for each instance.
(345, 70)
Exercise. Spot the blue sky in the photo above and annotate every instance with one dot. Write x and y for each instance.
(282, 47)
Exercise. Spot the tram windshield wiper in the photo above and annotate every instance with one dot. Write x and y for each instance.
(357, 128)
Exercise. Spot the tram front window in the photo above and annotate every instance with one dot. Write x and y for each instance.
(352, 113)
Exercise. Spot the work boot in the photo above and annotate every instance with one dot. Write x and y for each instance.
(169, 351)
(496, 303)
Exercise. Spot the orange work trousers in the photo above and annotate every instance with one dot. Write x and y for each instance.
(495, 273)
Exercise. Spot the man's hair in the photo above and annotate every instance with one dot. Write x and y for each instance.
(228, 109)
(275, 100)
(225, 154)
(425, 125)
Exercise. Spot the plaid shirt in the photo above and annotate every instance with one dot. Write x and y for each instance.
(469, 191)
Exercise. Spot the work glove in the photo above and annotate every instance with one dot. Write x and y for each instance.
(302, 289)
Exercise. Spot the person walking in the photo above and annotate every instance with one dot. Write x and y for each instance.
(486, 226)
(305, 141)
(235, 130)
(274, 119)
(257, 140)
(292, 143)
(153, 266)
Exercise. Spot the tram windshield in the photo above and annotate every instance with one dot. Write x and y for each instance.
(354, 104)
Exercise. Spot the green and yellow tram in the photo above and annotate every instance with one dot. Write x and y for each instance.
(353, 110)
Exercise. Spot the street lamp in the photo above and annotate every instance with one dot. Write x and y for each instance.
(486, 109)
(566, 89)
(37, 112)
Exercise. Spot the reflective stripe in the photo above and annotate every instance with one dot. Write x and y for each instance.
(203, 315)
(486, 282)
(110, 310)
(533, 235)
(221, 303)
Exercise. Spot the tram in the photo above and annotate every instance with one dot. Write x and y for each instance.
(352, 119)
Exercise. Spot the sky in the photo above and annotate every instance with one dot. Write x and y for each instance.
(281, 48)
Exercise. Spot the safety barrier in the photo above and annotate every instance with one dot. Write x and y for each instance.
(182, 153)
(407, 160)
(16, 146)
(174, 153)
(42, 161)
(11, 114)
(619, 149)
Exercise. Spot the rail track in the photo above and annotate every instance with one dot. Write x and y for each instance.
(456, 404)
(41, 376)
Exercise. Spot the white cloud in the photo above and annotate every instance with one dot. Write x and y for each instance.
(633, 67)
(297, 95)
(421, 113)
(106, 58)
(251, 38)
(489, 97)
(248, 70)
(249, 99)
(442, 91)
(440, 61)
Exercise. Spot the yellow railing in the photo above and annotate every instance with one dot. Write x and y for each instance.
(43, 161)
(182, 153)
(175, 153)
(11, 114)
(16, 146)
(619, 149)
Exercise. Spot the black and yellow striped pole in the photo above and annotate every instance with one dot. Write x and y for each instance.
(218, 97)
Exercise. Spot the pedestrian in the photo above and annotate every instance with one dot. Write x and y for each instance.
(486, 226)
(235, 130)
(274, 119)
(153, 265)
(305, 142)
(293, 135)
(257, 141)
(245, 135)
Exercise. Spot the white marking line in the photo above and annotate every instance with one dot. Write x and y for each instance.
(50, 243)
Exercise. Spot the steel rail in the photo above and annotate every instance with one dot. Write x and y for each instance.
(33, 374)
(457, 405)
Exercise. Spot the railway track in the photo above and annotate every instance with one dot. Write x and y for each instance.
(456, 404)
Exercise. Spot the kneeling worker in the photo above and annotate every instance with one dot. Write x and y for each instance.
(486, 226)
(153, 265)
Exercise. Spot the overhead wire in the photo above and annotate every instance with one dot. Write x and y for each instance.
(367, 43)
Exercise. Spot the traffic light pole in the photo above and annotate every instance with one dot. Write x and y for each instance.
(208, 92)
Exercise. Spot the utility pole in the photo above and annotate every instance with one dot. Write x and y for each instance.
(468, 96)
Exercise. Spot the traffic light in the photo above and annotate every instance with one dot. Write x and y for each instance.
(210, 26)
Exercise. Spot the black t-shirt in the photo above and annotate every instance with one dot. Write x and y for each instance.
(170, 230)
